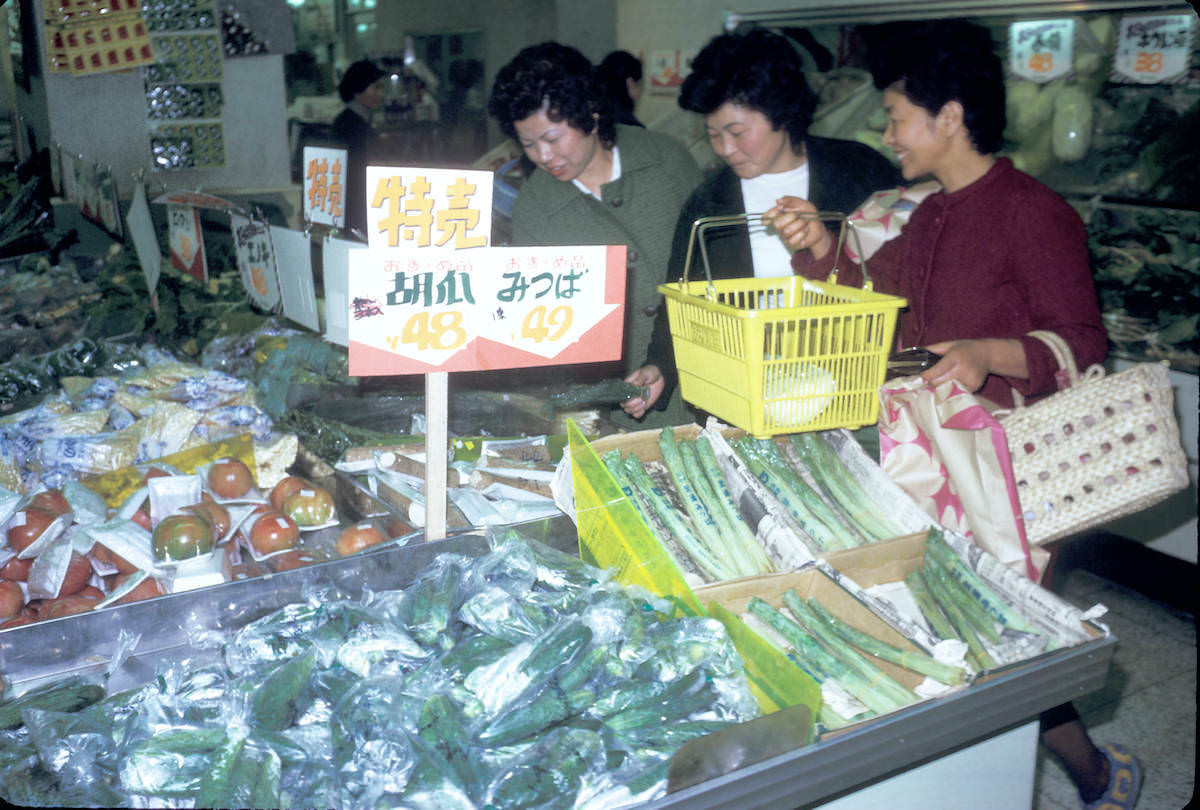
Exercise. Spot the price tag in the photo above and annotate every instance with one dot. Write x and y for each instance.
(88, 196)
(196, 199)
(293, 254)
(186, 241)
(335, 273)
(256, 260)
(324, 186)
(1041, 50)
(107, 201)
(419, 311)
(428, 208)
(1153, 48)
(145, 240)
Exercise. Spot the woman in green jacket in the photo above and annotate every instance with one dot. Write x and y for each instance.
(595, 182)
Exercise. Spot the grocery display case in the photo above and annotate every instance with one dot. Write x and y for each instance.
(992, 719)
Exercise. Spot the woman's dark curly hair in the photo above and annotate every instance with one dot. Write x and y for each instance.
(941, 61)
(758, 69)
(561, 79)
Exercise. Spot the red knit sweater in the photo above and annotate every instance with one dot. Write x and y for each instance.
(997, 259)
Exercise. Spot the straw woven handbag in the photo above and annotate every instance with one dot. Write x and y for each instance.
(1102, 448)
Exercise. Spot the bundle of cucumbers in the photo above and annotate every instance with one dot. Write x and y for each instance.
(519, 679)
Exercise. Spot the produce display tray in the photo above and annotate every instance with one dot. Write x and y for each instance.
(171, 625)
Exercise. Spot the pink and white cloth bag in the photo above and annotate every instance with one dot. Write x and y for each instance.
(944, 447)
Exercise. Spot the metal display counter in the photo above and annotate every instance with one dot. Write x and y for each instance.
(834, 766)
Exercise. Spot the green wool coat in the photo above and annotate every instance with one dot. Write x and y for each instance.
(638, 210)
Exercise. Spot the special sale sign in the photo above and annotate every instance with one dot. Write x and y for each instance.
(421, 311)
(429, 295)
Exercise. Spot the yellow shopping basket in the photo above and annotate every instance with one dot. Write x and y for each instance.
(780, 355)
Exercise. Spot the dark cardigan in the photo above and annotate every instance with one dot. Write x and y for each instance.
(842, 174)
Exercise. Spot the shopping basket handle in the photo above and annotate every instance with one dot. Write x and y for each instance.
(703, 224)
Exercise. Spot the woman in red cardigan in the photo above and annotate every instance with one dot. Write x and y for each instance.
(992, 256)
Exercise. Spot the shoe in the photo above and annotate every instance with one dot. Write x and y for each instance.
(1124, 780)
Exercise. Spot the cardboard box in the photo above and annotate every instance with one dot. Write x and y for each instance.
(734, 595)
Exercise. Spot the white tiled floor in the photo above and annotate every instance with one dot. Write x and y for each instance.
(1148, 703)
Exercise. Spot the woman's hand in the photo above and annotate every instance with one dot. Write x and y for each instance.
(797, 231)
(650, 378)
(971, 361)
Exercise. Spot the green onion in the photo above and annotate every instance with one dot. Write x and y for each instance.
(843, 488)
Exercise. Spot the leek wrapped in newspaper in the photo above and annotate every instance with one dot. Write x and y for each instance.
(821, 663)
(852, 657)
(934, 616)
(845, 533)
(839, 483)
(937, 547)
(978, 657)
(707, 527)
(712, 469)
(700, 553)
(819, 535)
(909, 659)
(735, 537)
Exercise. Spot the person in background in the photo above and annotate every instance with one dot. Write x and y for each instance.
(620, 75)
(992, 256)
(362, 90)
(757, 106)
(595, 182)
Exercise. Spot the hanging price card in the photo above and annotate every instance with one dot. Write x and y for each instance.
(324, 186)
(145, 240)
(1041, 50)
(1153, 48)
(186, 241)
(421, 208)
(256, 260)
(419, 311)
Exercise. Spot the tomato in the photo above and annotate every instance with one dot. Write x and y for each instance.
(214, 513)
(52, 501)
(297, 558)
(230, 478)
(273, 531)
(79, 571)
(24, 617)
(357, 537)
(182, 536)
(12, 601)
(106, 557)
(27, 526)
(146, 589)
(91, 591)
(67, 606)
(155, 472)
(309, 506)
(16, 569)
(281, 491)
(398, 528)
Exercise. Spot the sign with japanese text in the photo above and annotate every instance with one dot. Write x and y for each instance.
(293, 264)
(1153, 48)
(87, 196)
(256, 260)
(1041, 50)
(324, 187)
(421, 311)
(186, 241)
(145, 240)
(335, 276)
(428, 208)
(108, 203)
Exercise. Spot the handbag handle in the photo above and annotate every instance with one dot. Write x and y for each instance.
(703, 224)
(1065, 359)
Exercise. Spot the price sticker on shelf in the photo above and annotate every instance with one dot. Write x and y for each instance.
(1153, 48)
(256, 260)
(1041, 50)
(186, 241)
(419, 311)
(325, 186)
